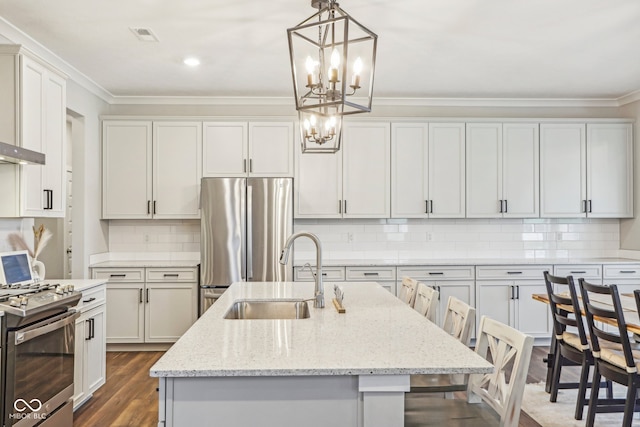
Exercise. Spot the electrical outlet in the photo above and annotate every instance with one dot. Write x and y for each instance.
(146, 238)
(429, 237)
(350, 237)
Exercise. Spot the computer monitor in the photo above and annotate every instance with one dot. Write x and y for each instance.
(15, 268)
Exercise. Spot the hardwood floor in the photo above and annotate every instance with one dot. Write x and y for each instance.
(129, 397)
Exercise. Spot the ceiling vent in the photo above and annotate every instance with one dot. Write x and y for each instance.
(144, 34)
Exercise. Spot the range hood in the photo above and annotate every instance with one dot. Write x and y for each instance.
(21, 156)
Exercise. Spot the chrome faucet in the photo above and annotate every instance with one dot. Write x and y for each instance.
(318, 301)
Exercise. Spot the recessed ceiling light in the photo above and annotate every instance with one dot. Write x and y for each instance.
(191, 61)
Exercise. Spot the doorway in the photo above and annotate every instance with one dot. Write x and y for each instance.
(57, 256)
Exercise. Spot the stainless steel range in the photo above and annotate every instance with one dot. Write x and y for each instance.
(38, 343)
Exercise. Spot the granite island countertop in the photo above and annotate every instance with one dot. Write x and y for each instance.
(378, 334)
(370, 262)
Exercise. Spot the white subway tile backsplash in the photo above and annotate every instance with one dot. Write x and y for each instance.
(394, 239)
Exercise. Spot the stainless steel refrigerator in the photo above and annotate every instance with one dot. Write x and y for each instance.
(244, 225)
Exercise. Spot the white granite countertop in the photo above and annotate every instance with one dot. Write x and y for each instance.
(78, 284)
(462, 261)
(146, 263)
(378, 334)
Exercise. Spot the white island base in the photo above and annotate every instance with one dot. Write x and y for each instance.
(312, 401)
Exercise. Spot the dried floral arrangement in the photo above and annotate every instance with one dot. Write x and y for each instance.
(41, 237)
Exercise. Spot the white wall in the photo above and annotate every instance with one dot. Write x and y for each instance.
(630, 228)
(90, 234)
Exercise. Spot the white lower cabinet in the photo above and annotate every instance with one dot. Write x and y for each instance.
(456, 281)
(504, 293)
(149, 305)
(90, 345)
(383, 275)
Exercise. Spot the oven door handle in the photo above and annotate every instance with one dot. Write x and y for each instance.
(65, 319)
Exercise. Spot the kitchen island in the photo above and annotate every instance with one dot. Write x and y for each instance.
(349, 369)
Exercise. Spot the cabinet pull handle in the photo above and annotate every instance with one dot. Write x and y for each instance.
(627, 271)
(367, 273)
(578, 272)
(170, 274)
(147, 296)
(501, 209)
(140, 296)
(117, 275)
(250, 165)
(517, 291)
(93, 328)
(244, 165)
(431, 206)
(514, 272)
(88, 323)
(438, 289)
(436, 273)
(89, 300)
(426, 206)
(584, 206)
(512, 288)
(148, 207)
(324, 274)
(506, 206)
(154, 206)
(339, 206)
(345, 206)
(590, 206)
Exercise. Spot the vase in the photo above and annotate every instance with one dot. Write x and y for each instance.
(38, 269)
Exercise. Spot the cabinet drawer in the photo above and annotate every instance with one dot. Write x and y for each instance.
(370, 273)
(334, 274)
(457, 272)
(512, 272)
(172, 274)
(92, 298)
(622, 271)
(114, 275)
(585, 271)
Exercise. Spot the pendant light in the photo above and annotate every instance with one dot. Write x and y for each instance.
(332, 64)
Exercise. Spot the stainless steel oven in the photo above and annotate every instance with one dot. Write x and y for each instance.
(38, 344)
(39, 375)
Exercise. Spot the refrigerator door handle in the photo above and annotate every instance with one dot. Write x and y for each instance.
(249, 242)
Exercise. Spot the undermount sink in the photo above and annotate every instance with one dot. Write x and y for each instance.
(268, 309)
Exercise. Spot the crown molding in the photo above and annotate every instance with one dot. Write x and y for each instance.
(15, 35)
(203, 100)
(629, 98)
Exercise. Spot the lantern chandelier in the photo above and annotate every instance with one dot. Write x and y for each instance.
(332, 64)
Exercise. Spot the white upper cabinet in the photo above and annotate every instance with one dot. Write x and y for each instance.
(586, 170)
(248, 149)
(428, 169)
(151, 170)
(224, 149)
(502, 170)
(609, 170)
(563, 154)
(318, 185)
(34, 115)
(366, 170)
(352, 183)
(126, 169)
(176, 169)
